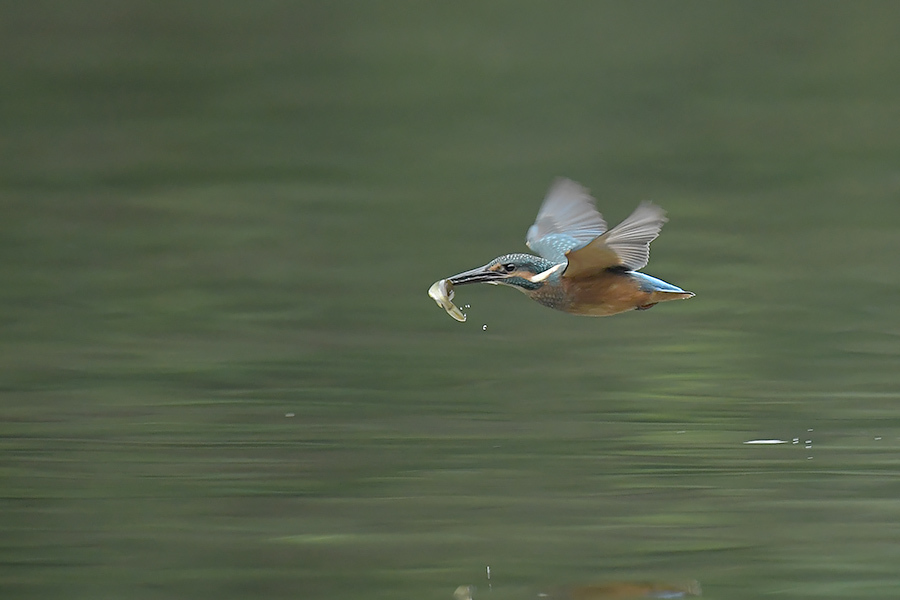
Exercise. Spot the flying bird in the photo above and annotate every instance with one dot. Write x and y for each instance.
(581, 267)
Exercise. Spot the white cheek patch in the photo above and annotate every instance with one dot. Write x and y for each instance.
(545, 274)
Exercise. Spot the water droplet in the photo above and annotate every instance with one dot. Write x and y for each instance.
(288, 415)
(467, 306)
(484, 327)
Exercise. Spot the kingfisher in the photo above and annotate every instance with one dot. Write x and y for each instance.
(581, 267)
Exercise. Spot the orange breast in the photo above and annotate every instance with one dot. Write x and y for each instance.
(605, 293)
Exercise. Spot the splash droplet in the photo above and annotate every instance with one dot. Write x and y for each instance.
(484, 327)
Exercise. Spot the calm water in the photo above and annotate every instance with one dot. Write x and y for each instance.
(221, 377)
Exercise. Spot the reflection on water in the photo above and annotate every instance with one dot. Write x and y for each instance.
(623, 590)
(602, 591)
(464, 592)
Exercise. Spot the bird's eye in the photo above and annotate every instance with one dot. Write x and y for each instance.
(510, 267)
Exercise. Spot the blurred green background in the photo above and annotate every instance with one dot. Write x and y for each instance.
(221, 377)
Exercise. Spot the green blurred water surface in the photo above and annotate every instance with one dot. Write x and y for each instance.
(220, 376)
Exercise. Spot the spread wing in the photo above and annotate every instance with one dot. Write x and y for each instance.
(566, 220)
(627, 244)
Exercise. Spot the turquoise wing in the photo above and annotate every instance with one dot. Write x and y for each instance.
(566, 220)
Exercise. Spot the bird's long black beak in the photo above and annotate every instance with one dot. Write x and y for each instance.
(479, 275)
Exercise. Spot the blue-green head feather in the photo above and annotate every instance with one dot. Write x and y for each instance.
(526, 272)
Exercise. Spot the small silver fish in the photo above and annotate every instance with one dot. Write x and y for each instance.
(442, 293)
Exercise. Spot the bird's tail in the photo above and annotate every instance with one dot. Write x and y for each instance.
(661, 296)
